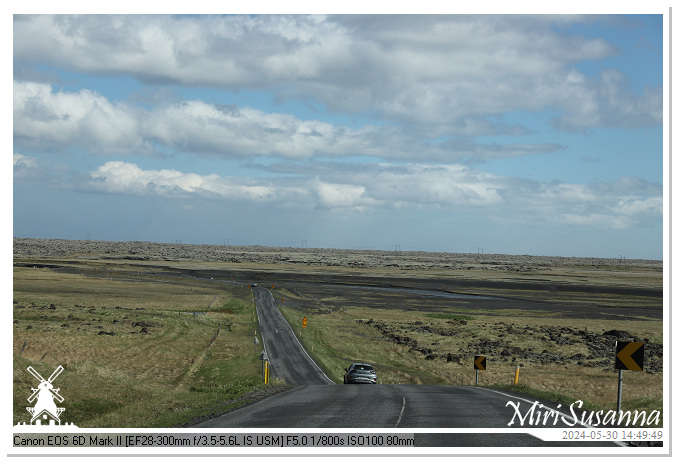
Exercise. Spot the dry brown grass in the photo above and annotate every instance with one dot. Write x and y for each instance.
(191, 362)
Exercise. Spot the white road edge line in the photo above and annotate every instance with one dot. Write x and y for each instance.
(297, 340)
(619, 443)
(403, 408)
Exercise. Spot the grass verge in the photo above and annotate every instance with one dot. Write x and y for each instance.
(142, 352)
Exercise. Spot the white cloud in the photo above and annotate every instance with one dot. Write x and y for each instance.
(608, 103)
(127, 178)
(363, 188)
(24, 161)
(49, 120)
(233, 132)
(598, 221)
(445, 74)
(332, 196)
(624, 203)
(26, 168)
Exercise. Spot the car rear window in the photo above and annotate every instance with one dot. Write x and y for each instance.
(363, 367)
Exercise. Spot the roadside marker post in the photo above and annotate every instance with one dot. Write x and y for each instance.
(516, 374)
(265, 366)
(629, 356)
(479, 365)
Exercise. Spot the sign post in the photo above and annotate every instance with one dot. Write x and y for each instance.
(479, 365)
(628, 356)
(619, 390)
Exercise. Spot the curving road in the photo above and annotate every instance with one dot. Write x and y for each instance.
(287, 358)
(317, 403)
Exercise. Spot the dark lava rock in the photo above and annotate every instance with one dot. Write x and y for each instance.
(617, 334)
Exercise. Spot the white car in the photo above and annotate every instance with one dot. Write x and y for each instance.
(360, 373)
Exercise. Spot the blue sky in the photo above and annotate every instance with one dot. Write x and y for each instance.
(529, 134)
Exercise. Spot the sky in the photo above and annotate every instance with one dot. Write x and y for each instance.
(514, 134)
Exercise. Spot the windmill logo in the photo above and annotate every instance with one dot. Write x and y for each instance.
(45, 407)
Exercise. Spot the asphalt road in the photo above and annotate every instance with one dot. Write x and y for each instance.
(317, 403)
(287, 358)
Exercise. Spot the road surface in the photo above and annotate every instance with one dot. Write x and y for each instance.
(317, 403)
(287, 358)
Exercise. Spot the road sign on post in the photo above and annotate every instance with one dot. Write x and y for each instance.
(479, 365)
(629, 356)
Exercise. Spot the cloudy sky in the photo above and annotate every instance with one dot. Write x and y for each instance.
(509, 134)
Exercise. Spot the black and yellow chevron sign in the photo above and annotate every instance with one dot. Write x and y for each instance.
(480, 363)
(629, 356)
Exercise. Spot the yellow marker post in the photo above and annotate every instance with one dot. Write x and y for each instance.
(265, 366)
